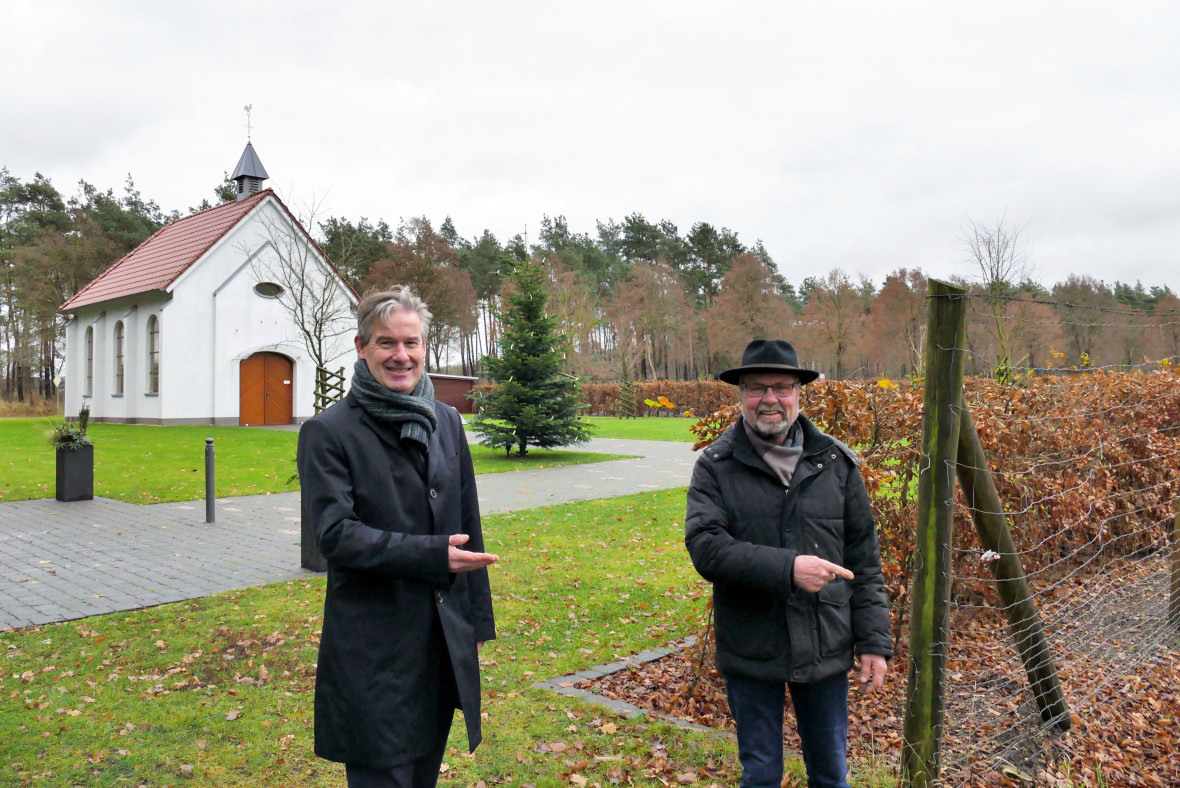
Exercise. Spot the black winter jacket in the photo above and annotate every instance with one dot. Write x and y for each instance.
(393, 612)
(743, 531)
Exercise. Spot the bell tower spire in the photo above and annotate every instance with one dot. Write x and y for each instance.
(249, 174)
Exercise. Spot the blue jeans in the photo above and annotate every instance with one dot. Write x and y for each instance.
(821, 715)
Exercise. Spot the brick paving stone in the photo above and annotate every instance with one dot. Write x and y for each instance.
(108, 555)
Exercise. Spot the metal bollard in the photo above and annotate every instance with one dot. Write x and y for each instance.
(210, 488)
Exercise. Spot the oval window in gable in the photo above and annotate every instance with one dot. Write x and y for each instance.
(268, 289)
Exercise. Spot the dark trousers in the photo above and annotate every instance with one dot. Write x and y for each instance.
(821, 714)
(421, 772)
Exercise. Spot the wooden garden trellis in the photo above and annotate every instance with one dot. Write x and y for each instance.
(628, 408)
(329, 387)
(951, 448)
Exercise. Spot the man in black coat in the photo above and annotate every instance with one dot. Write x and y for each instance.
(779, 521)
(389, 488)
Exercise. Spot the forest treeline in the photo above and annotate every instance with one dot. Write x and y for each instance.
(639, 299)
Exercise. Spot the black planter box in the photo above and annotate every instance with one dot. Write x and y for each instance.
(75, 474)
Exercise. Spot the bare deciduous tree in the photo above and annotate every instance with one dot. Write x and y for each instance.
(896, 326)
(747, 308)
(573, 302)
(652, 316)
(424, 260)
(1001, 258)
(313, 295)
(1166, 325)
(833, 316)
(1084, 307)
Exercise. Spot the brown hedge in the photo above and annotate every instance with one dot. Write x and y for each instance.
(705, 396)
(1087, 466)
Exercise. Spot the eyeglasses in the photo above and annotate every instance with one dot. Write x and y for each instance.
(781, 390)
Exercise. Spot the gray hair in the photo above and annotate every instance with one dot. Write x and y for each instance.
(378, 307)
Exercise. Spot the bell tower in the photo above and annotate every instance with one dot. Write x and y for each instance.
(249, 174)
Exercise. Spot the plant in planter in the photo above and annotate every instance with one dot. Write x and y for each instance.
(75, 459)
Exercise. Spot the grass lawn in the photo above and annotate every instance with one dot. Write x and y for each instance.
(493, 460)
(218, 691)
(148, 464)
(644, 429)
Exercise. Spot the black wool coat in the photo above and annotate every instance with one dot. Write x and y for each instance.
(393, 612)
(743, 531)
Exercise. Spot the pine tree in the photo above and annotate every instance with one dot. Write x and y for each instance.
(535, 402)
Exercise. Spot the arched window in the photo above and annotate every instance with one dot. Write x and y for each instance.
(119, 358)
(153, 365)
(89, 361)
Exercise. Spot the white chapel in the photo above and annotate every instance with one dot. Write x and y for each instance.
(205, 322)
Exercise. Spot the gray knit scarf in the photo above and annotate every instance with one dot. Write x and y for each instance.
(414, 412)
(781, 458)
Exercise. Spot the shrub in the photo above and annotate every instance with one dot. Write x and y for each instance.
(1083, 464)
(71, 435)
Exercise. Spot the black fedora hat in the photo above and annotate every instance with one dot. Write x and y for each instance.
(769, 355)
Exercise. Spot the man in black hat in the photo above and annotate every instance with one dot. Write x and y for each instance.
(779, 521)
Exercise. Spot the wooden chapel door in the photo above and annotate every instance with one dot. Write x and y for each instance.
(265, 390)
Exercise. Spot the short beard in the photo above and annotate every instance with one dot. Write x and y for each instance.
(772, 433)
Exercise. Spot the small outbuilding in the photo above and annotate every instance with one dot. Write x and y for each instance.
(453, 390)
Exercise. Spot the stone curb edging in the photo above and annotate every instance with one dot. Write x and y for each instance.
(565, 684)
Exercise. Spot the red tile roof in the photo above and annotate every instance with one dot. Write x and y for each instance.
(157, 262)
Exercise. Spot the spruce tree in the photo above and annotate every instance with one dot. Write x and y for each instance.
(534, 402)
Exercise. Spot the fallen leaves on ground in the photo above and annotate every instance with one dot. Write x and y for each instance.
(1126, 732)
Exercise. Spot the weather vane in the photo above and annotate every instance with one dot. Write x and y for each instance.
(248, 107)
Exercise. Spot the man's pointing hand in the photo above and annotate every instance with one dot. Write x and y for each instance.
(811, 573)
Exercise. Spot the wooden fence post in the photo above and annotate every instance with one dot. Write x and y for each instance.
(944, 360)
(1174, 600)
(1024, 622)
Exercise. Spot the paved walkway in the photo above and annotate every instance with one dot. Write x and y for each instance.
(62, 561)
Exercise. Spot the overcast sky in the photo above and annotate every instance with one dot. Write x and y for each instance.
(858, 135)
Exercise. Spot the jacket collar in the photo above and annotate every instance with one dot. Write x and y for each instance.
(386, 436)
(735, 442)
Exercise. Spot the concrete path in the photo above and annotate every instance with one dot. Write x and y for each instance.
(62, 561)
(662, 464)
